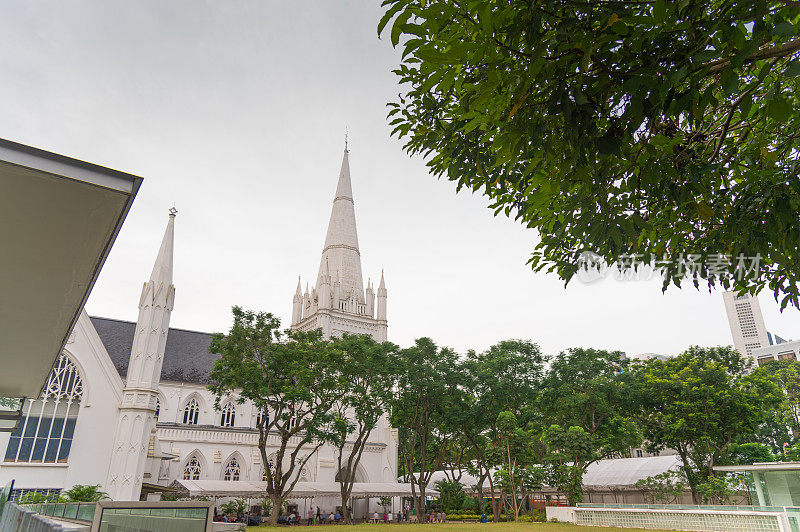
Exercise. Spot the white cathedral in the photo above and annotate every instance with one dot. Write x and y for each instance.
(126, 405)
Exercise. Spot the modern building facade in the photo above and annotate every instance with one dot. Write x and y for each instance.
(786, 350)
(750, 335)
(127, 404)
(746, 322)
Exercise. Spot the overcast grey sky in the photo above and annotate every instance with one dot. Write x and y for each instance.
(235, 112)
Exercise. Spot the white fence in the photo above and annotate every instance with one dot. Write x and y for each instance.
(675, 517)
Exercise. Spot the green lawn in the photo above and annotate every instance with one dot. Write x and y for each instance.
(460, 527)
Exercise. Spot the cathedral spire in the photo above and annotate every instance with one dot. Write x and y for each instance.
(162, 269)
(341, 253)
(137, 410)
(381, 310)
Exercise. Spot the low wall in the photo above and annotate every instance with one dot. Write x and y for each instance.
(562, 514)
(698, 519)
(228, 527)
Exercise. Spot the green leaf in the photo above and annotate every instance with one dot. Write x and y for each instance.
(783, 29)
(399, 24)
(620, 28)
(779, 109)
(392, 11)
(705, 211)
(659, 10)
(793, 69)
(730, 81)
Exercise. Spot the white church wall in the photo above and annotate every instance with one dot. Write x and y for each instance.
(92, 441)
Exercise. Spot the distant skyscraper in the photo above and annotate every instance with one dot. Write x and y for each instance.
(746, 322)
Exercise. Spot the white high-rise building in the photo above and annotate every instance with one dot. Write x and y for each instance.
(338, 303)
(746, 322)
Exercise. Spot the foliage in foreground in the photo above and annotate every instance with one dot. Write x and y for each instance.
(662, 130)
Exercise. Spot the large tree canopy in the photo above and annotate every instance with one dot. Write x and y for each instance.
(700, 403)
(667, 131)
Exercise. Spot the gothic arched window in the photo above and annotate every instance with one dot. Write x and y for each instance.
(190, 412)
(192, 469)
(228, 415)
(158, 408)
(263, 413)
(45, 432)
(232, 470)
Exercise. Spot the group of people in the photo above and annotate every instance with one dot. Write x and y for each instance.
(333, 517)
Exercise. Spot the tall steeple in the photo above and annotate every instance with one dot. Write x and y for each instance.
(341, 252)
(137, 411)
(338, 303)
(382, 300)
(297, 304)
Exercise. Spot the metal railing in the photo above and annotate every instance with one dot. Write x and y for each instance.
(718, 508)
(20, 519)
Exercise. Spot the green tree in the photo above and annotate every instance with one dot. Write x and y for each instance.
(586, 415)
(427, 390)
(451, 495)
(716, 489)
(84, 493)
(36, 497)
(266, 506)
(291, 378)
(750, 453)
(569, 453)
(699, 403)
(366, 371)
(657, 128)
(507, 377)
(663, 488)
(237, 507)
(10, 403)
(786, 374)
(515, 450)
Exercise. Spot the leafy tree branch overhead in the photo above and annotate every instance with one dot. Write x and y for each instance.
(663, 129)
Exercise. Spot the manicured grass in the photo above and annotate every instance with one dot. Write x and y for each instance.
(459, 527)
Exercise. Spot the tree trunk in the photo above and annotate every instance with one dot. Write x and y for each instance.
(345, 492)
(495, 502)
(276, 501)
(479, 504)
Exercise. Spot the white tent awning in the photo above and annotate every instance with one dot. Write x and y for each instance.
(255, 489)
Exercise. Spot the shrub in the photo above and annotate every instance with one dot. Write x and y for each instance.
(81, 493)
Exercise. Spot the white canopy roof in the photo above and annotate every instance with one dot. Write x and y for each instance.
(603, 473)
(626, 471)
(255, 489)
(58, 220)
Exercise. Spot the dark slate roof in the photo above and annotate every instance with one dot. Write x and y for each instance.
(186, 357)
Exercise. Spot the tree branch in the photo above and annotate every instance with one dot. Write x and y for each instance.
(765, 53)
